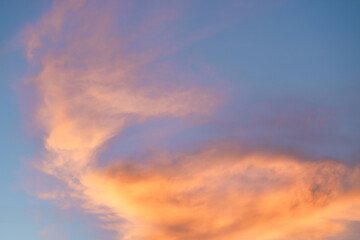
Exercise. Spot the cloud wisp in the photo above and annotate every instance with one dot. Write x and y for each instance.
(94, 79)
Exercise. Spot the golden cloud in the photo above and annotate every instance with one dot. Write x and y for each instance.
(92, 85)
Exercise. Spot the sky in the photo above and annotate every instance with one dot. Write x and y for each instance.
(169, 120)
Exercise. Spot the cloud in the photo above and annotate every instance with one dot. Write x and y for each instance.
(219, 194)
(91, 86)
(94, 79)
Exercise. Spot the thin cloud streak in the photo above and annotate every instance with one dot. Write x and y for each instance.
(92, 83)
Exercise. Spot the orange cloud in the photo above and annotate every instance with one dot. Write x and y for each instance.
(91, 88)
(224, 195)
(92, 84)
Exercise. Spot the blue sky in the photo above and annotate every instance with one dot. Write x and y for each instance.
(290, 71)
(16, 206)
(22, 215)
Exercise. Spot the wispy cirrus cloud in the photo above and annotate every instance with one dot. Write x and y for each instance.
(94, 79)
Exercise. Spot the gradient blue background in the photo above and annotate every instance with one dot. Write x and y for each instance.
(292, 74)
